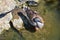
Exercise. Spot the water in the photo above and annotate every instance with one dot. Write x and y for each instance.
(51, 30)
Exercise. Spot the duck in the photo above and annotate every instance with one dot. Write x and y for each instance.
(33, 17)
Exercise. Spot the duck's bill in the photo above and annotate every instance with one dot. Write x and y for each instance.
(40, 25)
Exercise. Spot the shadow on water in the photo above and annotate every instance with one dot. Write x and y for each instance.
(58, 10)
(48, 3)
(58, 14)
(19, 33)
(26, 23)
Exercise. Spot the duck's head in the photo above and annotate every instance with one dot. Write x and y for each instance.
(38, 23)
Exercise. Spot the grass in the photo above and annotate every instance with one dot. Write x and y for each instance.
(51, 30)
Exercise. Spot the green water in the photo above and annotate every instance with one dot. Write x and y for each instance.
(51, 30)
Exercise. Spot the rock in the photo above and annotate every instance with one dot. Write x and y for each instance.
(6, 5)
(4, 22)
(36, 0)
(23, 1)
(18, 23)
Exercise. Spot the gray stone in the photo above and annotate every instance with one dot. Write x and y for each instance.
(18, 23)
(6, 5)
(4, 22)
(28, 0)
